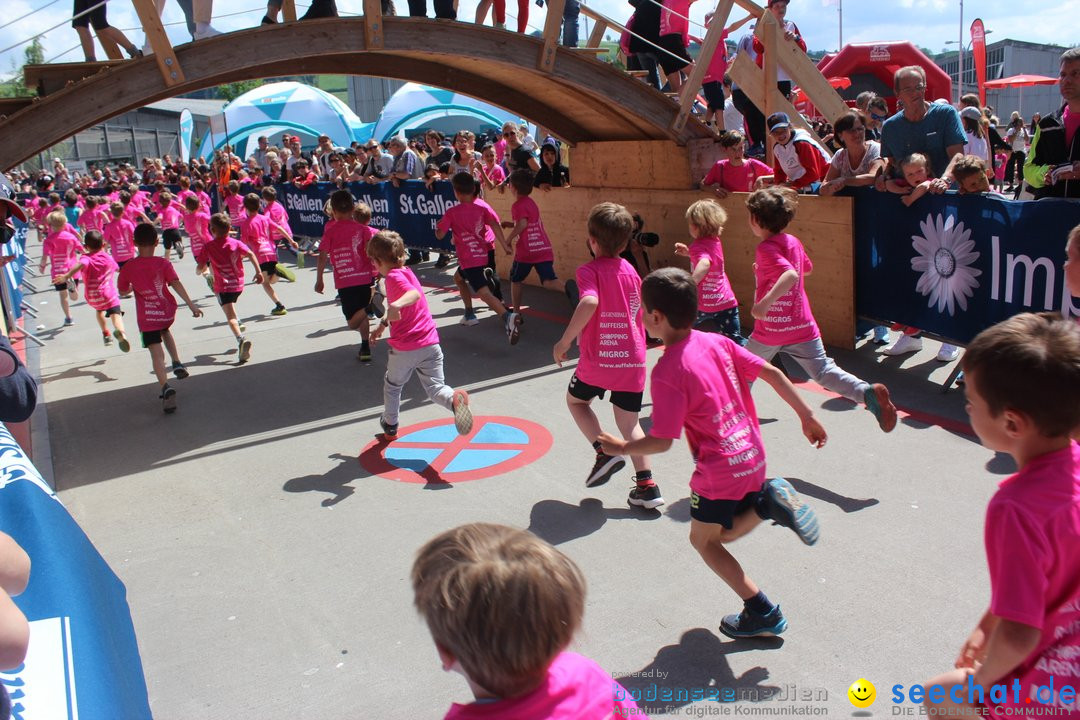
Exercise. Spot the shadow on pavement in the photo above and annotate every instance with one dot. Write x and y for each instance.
(559, 522)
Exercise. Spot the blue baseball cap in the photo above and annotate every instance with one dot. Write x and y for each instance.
(778, 121)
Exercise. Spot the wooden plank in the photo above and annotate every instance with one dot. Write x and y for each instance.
(590, 50)
(750, 79)
(164, 54)
(12, 105)
(552, 28)
(597, 34)
(373, 25)
(638, 73)
(112, 50)
(805, 75)
(288, 10)
(52, 77)
(657, 164)
(708, 47)
(770, 31)
(751, 7)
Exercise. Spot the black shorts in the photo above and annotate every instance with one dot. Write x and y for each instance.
(114, 310)
(95, 17)
(714, 95)
(628, 401)
(170, 238)
(721, 512)
(227, 298)
(475, 277)
(673, 44)
(268, 268)
(354, 299)
(152, 337)
(122, 263)
(520, 270)
(62, 287)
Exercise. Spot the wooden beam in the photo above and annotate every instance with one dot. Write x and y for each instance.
(751, 7)
(597, 34)
(708, 47)
(112, 50)
(373, 25)
(750, 79)
(159, 41)
(770, 29)
(53, 77)
(807, 77)
(288, 10)
(552, 29)
(12, 105)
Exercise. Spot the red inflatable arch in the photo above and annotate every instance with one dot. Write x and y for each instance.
(871, 67)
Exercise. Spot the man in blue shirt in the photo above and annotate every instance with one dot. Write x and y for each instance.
(931, 129)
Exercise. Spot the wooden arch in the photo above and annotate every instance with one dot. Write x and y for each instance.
(580, 99)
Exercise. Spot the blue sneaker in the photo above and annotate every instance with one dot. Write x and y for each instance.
(785, 507)
(750, 624)
(881, 335)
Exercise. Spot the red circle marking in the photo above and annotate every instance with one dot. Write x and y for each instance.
(373, 458)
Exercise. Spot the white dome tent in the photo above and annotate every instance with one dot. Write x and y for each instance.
(415, 108)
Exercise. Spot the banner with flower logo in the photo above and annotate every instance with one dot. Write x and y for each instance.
(953, 265)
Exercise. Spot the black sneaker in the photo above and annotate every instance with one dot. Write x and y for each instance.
(365, 352)
(179, 370)
(512, 325)
(168, 400)
(268, 20)
(389, 430)
(442, 261)
(749, 624)
(604, 467)
(784, 507)
(376, 307)
(646, 497)
(180, 250)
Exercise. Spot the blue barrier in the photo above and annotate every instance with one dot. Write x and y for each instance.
(953, 265)
(83, 662)
(15, 269)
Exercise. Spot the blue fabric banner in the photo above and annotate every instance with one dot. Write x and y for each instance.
(15, 269)
(83, 661)
(953, 265)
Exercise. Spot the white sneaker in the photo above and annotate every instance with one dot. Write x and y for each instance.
(906, 344)
(948, 353)
(146, 49)
(201, 33)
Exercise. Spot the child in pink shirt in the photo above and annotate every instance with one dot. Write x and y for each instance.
(98, 271)
(196, 220)
(517, 604)
(150, 278)
(702, 384)
(119, 234)
(61, 249)
(233, 202)
(414, 339)
(200, 190)
(132, 213)
(226, 255)
(533, 249)
(718, 310)
(491, 173)
(611, 340)
(712, 85)
(1023, 398)
(89, 219)
(735, 173)
(784, 322)
(168, 216)
(277, 215)
(344, 246)
(255, 232)
(674, 38)
(467, 221)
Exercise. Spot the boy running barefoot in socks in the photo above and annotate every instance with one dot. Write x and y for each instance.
(61, 249)
(150, 278)
(255, 232)
(782, 308)
(467, 220)
(702, 384)
(611, 340)
(413, 340)
(344, 245)
(98, 271)
(226, 255)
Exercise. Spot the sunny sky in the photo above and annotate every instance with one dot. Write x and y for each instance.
(928, 23)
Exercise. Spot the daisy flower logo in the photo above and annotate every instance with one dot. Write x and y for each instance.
(945, 256)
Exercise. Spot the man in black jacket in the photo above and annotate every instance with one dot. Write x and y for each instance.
(1053, 165)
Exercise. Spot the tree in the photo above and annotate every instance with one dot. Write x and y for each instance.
(231, 91)
(16, 86)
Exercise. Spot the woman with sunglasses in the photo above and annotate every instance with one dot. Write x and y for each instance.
(518, 157)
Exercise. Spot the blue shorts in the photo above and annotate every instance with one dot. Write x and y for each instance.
(722, 321)
(520, 270)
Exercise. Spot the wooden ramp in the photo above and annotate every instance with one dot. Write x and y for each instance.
(574, 95)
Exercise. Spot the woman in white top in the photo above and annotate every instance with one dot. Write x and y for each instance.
(1017, 137)
(857, 161)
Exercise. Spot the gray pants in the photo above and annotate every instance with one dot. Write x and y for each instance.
(819, 366)
(428, 364)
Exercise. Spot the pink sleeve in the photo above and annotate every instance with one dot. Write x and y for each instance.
(747, 364)
(586, 280)
(1019, 557)
(444, 222)
(170, 273)
(489, 216)
(668, 411)
(768, 255)
(715, 174)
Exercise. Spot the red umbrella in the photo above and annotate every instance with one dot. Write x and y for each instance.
(1020, 81)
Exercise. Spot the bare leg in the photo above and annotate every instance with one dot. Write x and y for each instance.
(482, 11)
(491, 301)
(100, 317)
(117, 36)
(64, 304)
(515, 295)
(87, 42)
(466, 293)
(268, 286)
(157, 357)
(170, 345)
(585, 418)
(630, 428)
(272, 10)
(709, 539)
(556, 285)
(118, 323)
(359, 321)
(230, 316)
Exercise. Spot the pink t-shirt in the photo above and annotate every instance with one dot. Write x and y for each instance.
(612, 344)
(255, 232)
(533, 245)
(1032, 539)
(182, 196)
(149, 277)
(62, 249)
(576, 688)
(702, 384)
(789, 320)
(89, 221)
(120, 235)
(170, 217)
(345, 243)
(1071, 122)
(736, 178)
(234, 205)
(718, 64)
(132, 213)
(489, 234)
(226, 257)
(197, 226)
(204, 200)
(99, 275)
(670, 21)
(416, 328)
(495, 173)
(279, 216)
(714, 291)
(468, 222)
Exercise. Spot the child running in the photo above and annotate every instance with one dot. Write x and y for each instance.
(226, 255)
(150, 278)
(502, 606)
(533, 248)
(611, 338)
(61, 248)
(233, 202)
(1023, 398)
(255, 232)
(467, 221)
(168, 216)
(718, 310)
(197, 226)
(785, 322)
(344, 245)
(98, 271)
(413, 340)
(119, 235)
(702, 384)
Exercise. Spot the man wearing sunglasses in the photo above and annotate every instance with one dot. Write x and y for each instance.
(377, 167)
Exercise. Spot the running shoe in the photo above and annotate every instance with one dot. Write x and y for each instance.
(285, 272)
(168, 400)
(604, 467)
(179, 370)
(750, 624)
(244, 350)
(125, 346)
(784, 507)
(469, 319)
(180, 251)
(646, 497)
(279, 311)
(389, 430)
(463, 418)
(878, 402)
(365, 352)
(513, 327)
